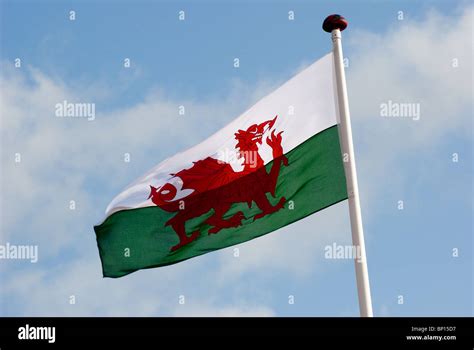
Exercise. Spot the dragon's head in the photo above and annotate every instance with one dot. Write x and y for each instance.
(247, 140)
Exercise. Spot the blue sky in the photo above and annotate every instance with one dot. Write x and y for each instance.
(190, 63)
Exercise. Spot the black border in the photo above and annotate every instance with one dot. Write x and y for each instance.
(328, 332)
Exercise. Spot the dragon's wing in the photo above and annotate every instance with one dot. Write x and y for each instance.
(207, 174)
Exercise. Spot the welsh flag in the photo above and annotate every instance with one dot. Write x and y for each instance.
(277, 163)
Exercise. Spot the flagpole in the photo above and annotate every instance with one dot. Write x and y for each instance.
(334, 24)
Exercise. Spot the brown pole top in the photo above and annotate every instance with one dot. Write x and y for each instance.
(334, 22)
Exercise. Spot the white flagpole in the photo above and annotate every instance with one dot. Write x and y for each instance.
(334, 24)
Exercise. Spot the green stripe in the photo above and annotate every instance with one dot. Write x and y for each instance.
(313, 180)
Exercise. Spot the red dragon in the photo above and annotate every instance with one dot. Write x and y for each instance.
(216, 186)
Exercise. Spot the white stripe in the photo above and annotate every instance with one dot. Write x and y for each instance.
(305, 105)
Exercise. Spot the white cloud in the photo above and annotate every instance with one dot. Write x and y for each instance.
(412, 62)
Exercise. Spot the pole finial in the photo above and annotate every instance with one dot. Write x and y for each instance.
(334, 22)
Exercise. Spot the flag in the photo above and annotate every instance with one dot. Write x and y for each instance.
(277, 163)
